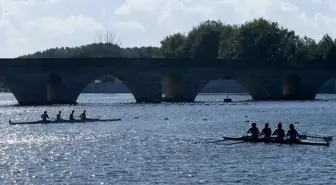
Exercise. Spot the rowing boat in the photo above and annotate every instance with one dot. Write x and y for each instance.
(275, 140)
(63, 121)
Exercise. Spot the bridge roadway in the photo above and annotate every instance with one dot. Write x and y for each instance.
(43, 81)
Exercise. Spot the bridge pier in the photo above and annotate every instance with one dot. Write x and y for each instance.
(30, 89)
(146, 88)
(303, 86)
(277, 85)
(182, 88)
(261, 85)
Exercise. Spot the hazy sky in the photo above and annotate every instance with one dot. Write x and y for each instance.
(30, 25)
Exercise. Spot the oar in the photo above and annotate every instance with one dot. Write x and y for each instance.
(217, 141)
(233, 143)
(210, 141)
(327, 138)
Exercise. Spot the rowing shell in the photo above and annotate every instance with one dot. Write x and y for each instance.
(274, 140)
(63, 121)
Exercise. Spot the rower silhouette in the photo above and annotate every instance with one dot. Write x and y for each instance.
(58, 116)
(71, 117)
(292, 133)
(254, 130)
(279, 132)
(83, 115)
(266, 131)
(45, 116)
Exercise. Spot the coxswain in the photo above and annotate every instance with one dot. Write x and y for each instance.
(266, 131)
(83, 115)
(45, 116)
(254, 130)
(292, 133)
(71, 117)
(279, 132)
(58, 116)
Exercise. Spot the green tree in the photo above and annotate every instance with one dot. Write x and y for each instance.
(265, 41)
(203, 41)
(306, 49)
(174, 46)
(326, 49)
(229, 46)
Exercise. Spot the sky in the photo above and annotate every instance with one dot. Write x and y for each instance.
(27, 26)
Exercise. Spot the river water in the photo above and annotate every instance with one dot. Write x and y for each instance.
(155, 143)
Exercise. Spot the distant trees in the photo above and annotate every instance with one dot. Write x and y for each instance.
(258, 40)
(105, 45)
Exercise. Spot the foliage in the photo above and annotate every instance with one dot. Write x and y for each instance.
(97, 50)
(258, 40)
(173, 46)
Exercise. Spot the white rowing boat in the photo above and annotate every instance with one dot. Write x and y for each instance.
(63, 121)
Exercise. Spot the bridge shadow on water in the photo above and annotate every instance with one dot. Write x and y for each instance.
(207, 102)
(128, 103)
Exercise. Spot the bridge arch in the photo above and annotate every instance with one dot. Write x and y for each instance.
(141, 89)
(224, 86)
(328, 86)
(184, 88)
(303, 86)
(277, 86)
(103, 83)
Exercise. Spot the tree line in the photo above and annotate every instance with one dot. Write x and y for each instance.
(256, 40)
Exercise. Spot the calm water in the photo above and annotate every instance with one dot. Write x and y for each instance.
(155, 143)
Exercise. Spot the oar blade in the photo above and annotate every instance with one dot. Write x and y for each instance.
(217, 141)
(328, 138)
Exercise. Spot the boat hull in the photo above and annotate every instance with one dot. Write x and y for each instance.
(275, 140)
(63, 121)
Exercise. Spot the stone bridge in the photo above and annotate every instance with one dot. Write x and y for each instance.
(44, 81)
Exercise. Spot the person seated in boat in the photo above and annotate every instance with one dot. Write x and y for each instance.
(266, 131)
(279, 132)
(45, 116)
(58, 116)
(254, 130)
(71, 117)
(292, 133)
(83, 115)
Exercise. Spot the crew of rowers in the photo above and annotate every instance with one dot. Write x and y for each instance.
(45, 116)
(279, 132)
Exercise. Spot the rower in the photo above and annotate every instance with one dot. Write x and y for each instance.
(279, 132)
(254, 130)
(71, 117)
(292, 133)
(58, 116)
(45, 116)
(83, 115)
(266, 131)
